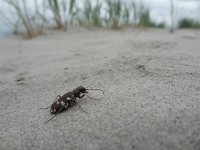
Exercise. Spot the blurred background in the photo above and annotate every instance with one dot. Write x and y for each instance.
(150, 76)
(34, 16)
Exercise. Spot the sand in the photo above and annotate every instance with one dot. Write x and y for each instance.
(151, 80)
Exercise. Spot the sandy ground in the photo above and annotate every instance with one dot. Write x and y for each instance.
(151, 79)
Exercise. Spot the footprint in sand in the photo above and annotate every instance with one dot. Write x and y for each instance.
(20, 78)
(20, 81)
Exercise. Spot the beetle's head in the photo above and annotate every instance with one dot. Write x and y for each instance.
(82, 89)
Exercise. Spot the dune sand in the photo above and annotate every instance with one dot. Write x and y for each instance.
(151, 80)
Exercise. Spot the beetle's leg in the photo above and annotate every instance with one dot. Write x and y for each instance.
(53, 102)
(46, 107)
(97, 90)
(81, 96)
(82, 109)
(50, 119)
(93, 98)
(72, 102)
(56, 113)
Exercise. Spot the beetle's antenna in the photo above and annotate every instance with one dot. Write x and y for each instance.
(98, 90)
(93, 98)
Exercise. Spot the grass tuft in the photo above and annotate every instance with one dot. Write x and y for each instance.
(114, 10)
(90, 14)
(188, 23)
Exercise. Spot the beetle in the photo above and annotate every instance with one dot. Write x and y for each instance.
(68, 100)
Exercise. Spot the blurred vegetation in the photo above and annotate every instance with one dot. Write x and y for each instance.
(143, 16)
(188, 23)
(114, 10)
(63, 12)
(144, 19)
(55, 8)
(32, 23)
(88, 13)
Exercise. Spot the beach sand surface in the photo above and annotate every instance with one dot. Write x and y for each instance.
(151, 80)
